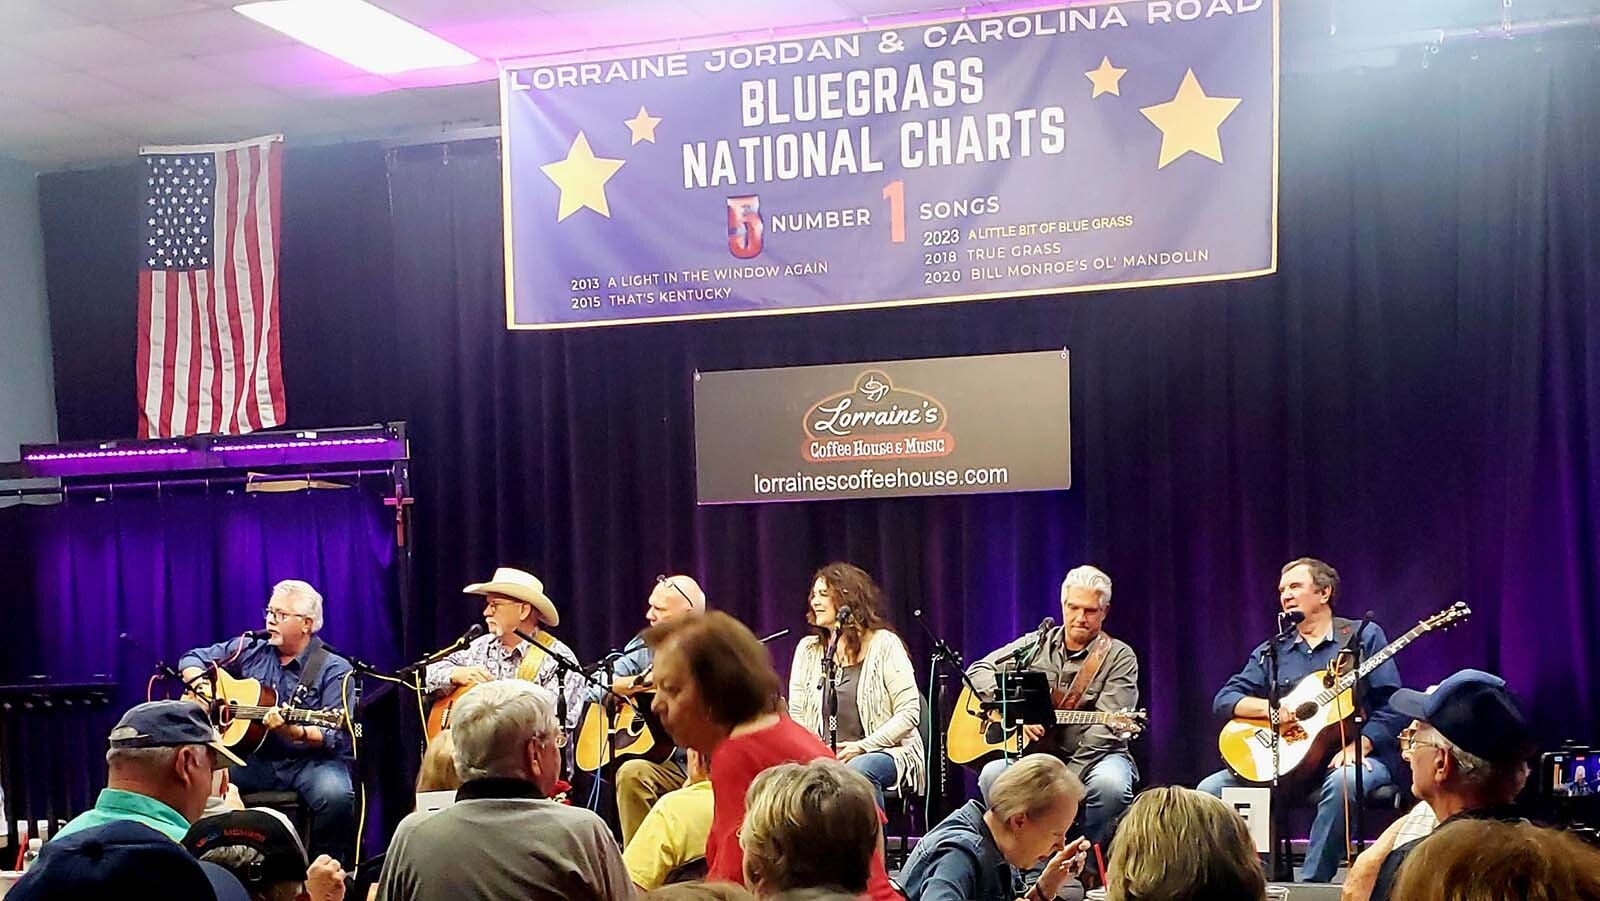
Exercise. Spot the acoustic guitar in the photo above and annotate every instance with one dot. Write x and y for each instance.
(1321, 702)
(241, 704)
(977, 736)
(631, 732)
(528, 670)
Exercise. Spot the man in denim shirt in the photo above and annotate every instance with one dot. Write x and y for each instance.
(979, 852)
(310, 760)
(1309, 586)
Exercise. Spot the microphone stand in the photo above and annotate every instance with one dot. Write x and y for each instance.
(935, 749)
(1275, 857)
(830, 688)
(1354, 649)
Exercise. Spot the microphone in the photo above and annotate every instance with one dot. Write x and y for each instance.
(778, 634)
(473, 632)
(1288, 619)
(1045, 626)
(844, 614)
(259, 634)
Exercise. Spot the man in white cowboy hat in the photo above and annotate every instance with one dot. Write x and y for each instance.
(513, 600)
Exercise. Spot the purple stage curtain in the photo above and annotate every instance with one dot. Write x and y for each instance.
(1414, 397)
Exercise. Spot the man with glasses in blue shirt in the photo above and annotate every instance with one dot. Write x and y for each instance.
(310, 760)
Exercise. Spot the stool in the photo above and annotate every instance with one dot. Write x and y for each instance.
(287, 803)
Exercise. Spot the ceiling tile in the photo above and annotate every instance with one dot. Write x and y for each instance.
(294, 64)
(474, 102)
(168, 77)
(109, 11)
(17, 65)
(206, 33)
(485, 70)
(359, 86)
(85, 47)
(19, 16)
(67, 89)
(47, 125)
(429, 13)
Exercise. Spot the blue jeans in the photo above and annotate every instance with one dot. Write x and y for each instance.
(1108, 784)
(1325, 851)
(879, 769)
(323, 783)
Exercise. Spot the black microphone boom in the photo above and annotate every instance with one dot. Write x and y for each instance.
(258, 634)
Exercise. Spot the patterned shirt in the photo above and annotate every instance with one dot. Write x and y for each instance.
(502, 663)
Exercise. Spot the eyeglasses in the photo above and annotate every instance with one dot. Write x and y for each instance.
(560, 739)
(278, 616)
(1409, 741)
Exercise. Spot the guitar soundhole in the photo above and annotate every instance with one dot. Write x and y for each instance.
(993, 733)
(1305, 711)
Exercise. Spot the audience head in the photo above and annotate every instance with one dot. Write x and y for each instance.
(840, 585)
(121, 859)
(699, 767)
(1031, 806)
(508, 729)
(167, 750)
(1469, 744)
(438, 772)
(673, 596)
(1178, 844)
(700, 891)
(711, 674)
(259, 847)
(1488, 860)
(809, 825)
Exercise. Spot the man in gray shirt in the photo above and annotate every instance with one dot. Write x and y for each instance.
(503, 838)
(1097, 754)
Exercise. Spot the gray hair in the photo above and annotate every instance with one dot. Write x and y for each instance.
(1091, 578)
(492, 725)
(1034, 786)
(310, 601)
(144, 760)
(692, 592)
(1500, 781)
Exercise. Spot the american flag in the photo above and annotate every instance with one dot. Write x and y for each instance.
(208, 289)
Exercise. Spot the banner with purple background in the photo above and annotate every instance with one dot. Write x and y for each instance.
(1030, 153)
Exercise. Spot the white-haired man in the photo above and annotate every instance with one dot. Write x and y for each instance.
(503, 838)
(309, 760)
(641, 783)
(1109, 671)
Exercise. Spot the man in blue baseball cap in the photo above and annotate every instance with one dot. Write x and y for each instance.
(158, 769)
(1468, 746)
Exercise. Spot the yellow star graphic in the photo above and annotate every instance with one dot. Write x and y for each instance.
(582, 179)
(1189, 121)
(643, 127)
(1107, 79)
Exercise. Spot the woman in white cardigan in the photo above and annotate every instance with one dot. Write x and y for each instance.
(879, 707)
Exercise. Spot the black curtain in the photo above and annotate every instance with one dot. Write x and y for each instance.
(1413, 398)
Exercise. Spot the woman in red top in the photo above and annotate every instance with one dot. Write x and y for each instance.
(716, 692)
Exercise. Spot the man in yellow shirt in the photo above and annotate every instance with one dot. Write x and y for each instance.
(674, 832)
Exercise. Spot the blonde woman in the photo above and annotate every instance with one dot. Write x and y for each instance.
(879, 708)
(809, 826)
(1488, 860)
(1178, 844)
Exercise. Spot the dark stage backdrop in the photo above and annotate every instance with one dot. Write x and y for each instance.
(1415, 397)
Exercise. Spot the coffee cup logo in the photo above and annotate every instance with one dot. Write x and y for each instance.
(874, 420)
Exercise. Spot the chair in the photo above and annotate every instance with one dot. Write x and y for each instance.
(287, 803)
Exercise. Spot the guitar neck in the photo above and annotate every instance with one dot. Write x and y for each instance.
(1380, 658)
(1080, 718)
(290, 715)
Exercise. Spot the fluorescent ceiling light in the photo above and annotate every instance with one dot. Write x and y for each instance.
(358, 33)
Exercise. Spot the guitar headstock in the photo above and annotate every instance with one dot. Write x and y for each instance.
(1127, 723)
(1447, 617)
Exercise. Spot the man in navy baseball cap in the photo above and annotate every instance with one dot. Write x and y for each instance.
(158, 768)
(1468, 745)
